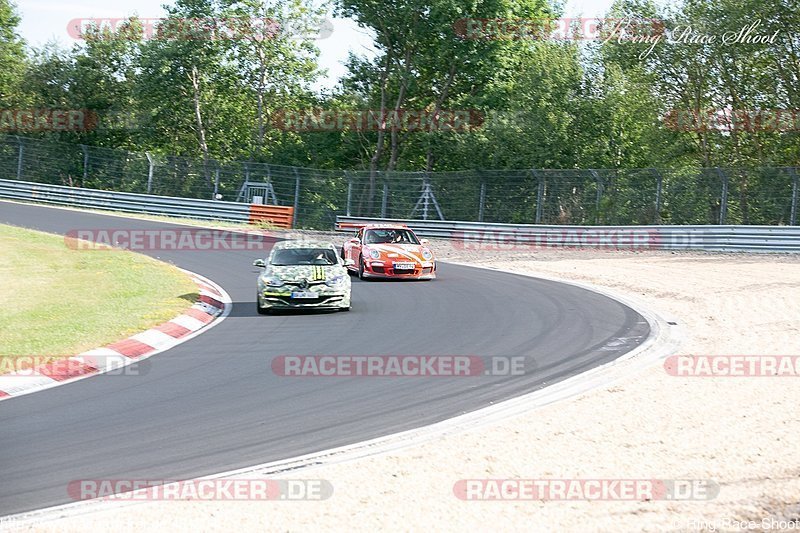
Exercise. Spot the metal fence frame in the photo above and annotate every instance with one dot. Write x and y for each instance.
(539, 196)
(723, 238)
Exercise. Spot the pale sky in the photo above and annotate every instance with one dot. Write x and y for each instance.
(45, 20)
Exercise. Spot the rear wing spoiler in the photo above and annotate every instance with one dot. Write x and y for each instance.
(351, 226)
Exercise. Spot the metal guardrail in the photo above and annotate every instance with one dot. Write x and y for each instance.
(476, 235)
(122, 201)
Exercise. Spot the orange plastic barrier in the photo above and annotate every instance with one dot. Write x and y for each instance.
(277, 215)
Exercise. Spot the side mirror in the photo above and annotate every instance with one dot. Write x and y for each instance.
(259, 263)
(348, 262)
(424, 241)
(354, 241)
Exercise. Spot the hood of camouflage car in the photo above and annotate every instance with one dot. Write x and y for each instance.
(309, 272)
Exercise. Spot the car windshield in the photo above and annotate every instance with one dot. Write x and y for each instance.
(390, 236)
(304, 256)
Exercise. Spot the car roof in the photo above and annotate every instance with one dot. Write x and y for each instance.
(302, 243)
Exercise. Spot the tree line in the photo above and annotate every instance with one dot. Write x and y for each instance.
(695, 85)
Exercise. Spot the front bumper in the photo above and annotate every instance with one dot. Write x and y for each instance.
(272, 299)
(385, 269)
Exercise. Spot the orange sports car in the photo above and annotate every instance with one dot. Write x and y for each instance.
(389, 251)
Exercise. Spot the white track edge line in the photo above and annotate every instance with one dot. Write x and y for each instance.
(663, 340)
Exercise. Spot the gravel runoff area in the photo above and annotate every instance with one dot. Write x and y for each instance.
(740, 432)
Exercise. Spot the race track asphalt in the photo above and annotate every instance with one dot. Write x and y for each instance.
(213, 404)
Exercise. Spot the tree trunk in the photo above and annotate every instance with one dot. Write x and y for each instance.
(429, 158)
(376, 156)
(198, 116)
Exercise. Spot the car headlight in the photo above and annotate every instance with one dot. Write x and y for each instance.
(272, 281)
(335, 281)
(375, 254)
(427, 254)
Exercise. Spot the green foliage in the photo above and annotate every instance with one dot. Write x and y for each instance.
(12, 56)
(544, 103)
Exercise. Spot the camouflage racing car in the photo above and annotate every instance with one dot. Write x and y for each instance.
(303, 275)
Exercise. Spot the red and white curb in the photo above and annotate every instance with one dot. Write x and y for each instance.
(211, 308)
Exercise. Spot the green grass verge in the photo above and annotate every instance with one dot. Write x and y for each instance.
(60, 302)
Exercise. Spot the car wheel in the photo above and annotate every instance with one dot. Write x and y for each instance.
(361, 267)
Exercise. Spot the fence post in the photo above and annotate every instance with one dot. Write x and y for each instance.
(482, 201)
(349, 192)
(85, 163)
(20, 159)
(659, 186)
(599, 182)
(723, 205)
(539, 196)
(384, 196)
(425, 186)
(149, 172)
(296, 196)
(216, 182)
(793, 215)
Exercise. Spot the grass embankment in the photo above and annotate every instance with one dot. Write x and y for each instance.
(60, 301)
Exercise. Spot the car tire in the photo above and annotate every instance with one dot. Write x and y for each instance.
(361, 267)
